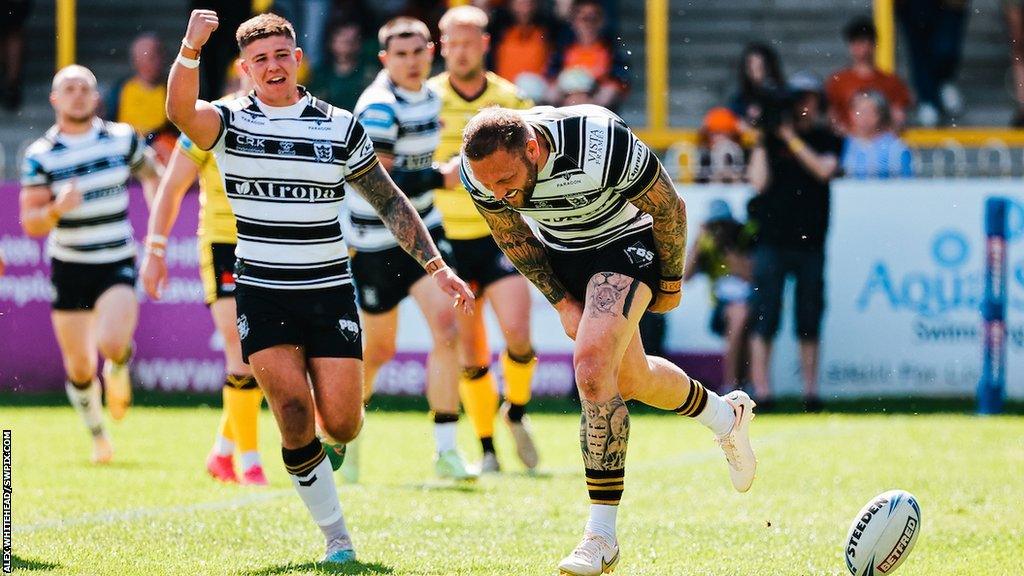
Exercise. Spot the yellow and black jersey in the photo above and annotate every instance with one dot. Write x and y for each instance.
(459, 215)
(216, 221)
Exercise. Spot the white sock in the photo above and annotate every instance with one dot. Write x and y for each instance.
(250, 459)
(602, 521)
(444, 435)
(89, 406)
(320, 496)
(223, 447)
(717, 415)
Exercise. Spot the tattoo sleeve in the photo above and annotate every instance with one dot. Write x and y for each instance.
(397, 213)
(525, 252)
(669, 213)
(604, 434)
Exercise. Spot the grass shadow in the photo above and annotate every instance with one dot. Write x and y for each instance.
(356, 567)
(19, 563)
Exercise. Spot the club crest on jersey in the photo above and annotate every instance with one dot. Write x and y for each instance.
(286, 148)
(577, 200)
(349, 329)
(639, 256)
(324, 150)
(243, 326)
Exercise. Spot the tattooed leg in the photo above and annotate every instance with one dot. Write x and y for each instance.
(604, 435)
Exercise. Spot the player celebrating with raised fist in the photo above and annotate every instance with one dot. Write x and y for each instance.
(285, 158)
(611, 243)
(74, 188)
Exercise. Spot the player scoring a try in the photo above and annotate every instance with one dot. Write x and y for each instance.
(612, 238)
(286, 157)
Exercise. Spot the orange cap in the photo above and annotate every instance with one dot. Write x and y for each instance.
(721, 120)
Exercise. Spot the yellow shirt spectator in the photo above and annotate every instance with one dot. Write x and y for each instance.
(216, 221)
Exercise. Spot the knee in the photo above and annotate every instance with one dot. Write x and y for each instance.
(112, 347)
(294, 410)
(379, 354)
(79, 370)
(592, 369)
(344, 429)
(444, 329)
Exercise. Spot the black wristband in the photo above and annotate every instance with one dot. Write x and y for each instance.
(670, 278)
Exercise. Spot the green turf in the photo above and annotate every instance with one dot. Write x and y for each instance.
(155, 512)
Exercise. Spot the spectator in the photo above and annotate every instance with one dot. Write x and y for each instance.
(594, 53)
(935, 36)
(1014, 12)
(871, 149)
(862, 75)
(343, 76)
(790, 169)
(721, 158)
(221, 50)
(722, 252)
(13, 14)
(138, 99)
(522, 38)
(760, 74)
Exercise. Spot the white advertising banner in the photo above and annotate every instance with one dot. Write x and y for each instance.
(904, 281)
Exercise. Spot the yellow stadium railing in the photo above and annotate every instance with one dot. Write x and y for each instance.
(65, 33)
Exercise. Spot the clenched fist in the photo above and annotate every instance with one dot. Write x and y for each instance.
(201, 24)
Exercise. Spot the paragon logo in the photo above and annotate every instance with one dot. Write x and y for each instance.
(298, 192)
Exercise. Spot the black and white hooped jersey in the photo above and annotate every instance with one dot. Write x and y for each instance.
(583, 192)
(100, 163)
(407, 126)
(284, 171)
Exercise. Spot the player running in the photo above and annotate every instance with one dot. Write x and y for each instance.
(610, 244)
(216, 233)
(285, 158)
(465, 89)
(74, 188)
(401, 117)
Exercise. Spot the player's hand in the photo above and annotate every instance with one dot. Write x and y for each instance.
(201, 25)
(69, 197)
(451, 172)
(154, 275)
(454, 286)
(570, 312)
(665, 302)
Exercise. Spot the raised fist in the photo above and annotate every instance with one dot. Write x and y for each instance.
(201, 24)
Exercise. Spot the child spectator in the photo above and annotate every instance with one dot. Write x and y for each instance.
(722, 253)
(871, 149)
(721, 155)
(862, 75)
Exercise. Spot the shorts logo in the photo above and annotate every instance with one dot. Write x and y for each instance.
(243, 326)
(324, 151)
(349, 329)
(639, 256)
(227, 281)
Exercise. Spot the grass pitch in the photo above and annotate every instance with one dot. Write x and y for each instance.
(156, 512)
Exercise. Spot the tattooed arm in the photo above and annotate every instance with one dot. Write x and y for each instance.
(669, 213)
(408, 229)
(528, 255)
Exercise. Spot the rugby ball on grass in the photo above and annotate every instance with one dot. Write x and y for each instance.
(883, 533)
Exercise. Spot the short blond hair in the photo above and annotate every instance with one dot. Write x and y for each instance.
(402, 27)
(73, 71)
(463, 16)
(263, 26)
